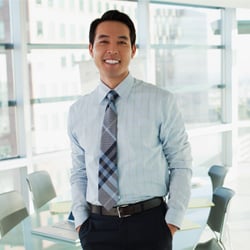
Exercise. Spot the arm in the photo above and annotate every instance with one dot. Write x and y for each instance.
(177, 151)
(78, 178)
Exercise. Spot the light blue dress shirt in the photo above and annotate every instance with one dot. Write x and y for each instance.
(154, 157)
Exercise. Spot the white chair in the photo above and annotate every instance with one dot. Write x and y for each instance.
(41, 188)
(12, 211)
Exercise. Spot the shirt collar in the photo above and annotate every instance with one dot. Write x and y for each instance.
(123, 89)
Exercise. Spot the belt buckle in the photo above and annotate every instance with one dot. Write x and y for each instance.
(119, 212)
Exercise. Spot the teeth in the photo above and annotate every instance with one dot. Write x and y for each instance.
(112, 61)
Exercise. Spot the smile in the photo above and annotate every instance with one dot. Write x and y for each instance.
(111, 61)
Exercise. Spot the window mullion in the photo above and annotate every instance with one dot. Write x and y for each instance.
(20, 71)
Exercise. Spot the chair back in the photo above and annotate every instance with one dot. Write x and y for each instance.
(12, 211)
(41, 188)
(221, 199)
(217, 174)
(212, 244)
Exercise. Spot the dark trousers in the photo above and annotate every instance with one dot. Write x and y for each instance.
(145, 231)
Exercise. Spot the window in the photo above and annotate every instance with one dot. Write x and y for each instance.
(72, 4)
(61, 4)
(39, 28)
(81, 5)
(180, 48)
(243, 60)
(2, 31)
(55, 77)
(8, 123)
(186, 55)
(5, 32)
(62, 32)
(207, 150)
(8, 138)
(50, 3)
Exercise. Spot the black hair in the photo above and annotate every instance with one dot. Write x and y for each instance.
(113, 15)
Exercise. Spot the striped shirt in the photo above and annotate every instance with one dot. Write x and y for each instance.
(154, 156)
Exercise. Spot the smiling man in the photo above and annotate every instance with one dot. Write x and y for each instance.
(112, 52)
(131, 157)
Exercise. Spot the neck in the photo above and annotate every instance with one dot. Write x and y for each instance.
(113, 82)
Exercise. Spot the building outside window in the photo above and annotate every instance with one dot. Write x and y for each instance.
(243, 60)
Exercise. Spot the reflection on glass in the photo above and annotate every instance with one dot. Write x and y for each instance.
(206, 151)
(244, 145)
(201, 108)
(55, 84)
(55, 73)
(186, 55)
(243, 61)
(5, 36)
(68, 21)
(194, 75)
(58, 166)
(58, 76)
(8, 140)
(184, 25)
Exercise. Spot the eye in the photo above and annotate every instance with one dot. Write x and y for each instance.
(103, 42)
(122, 42)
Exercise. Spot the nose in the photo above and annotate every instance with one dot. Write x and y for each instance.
(110, 52)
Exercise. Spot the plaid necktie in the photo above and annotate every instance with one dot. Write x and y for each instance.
(108, 176)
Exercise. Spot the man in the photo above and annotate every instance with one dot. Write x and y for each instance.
(146, 149)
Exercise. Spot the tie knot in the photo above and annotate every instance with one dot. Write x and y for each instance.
(112, 96)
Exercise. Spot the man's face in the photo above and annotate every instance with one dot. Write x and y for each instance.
(112, 51)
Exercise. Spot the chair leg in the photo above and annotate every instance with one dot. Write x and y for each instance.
(226, 239)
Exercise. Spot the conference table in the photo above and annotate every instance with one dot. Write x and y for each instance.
(21, 237)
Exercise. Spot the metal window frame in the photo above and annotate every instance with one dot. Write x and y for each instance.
(21, 47)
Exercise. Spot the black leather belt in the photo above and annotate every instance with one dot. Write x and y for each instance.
(127, 210)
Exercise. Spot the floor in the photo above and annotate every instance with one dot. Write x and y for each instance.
(238, 223)
(239, 216)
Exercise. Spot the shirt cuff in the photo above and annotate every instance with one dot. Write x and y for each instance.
(174, 217)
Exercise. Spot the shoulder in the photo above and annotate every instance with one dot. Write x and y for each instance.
(152, 90)
(83, 102)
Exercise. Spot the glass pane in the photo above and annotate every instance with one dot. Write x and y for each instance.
(49, 127)
(11, 179)
(243, 61)
(180, 25)
(68, 21)
(5, 36)
(185, 63)
(56, 83)
(194, 76)
(55, 73)
(208, 154)
(58, 166)
(8, 140)
(244, 145)
(58, 76)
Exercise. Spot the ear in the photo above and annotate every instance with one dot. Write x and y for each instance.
(133, 50)
(91, 49)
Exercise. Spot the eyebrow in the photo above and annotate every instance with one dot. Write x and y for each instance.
(106, 36)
